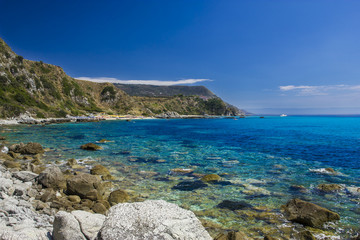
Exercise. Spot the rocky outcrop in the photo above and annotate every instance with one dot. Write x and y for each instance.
(169, 115)
(151, 220)
(308, 214)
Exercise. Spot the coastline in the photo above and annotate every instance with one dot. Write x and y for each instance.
(198, 213)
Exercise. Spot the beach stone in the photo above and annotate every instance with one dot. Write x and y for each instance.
(189, 185)
(99, 170)
(48, 195)
(66, 227)
(329, 187)
(234, 205)
(12, 164)
(152, 219)
(308, 214)
(25, 176)
(74, 199)
(85, 186)
(304, 235)
(99, 208)
(118, 196)
(90, 223)
(31, 148)
(71, 162)
(52, 177)
(91, 147)
(14, 155)
(5, 157)
(233, 235)
(211, 178)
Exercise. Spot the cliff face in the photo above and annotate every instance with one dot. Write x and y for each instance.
(44, 90)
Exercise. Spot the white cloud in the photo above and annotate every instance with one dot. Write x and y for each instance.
(303, 90)
(146, 82)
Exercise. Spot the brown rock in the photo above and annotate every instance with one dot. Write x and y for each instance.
(52, 177)
(91, 147)
(232, 236)
(308, 214)
(329, 187)
(85, 186)
(99, 208)
(305, 235)
(31, 148)
(48, 195)
(105, 203)
(329, 169)
(2, 138)
(5, 157)
(104, 141)
(74, 199)
(13, 155)
(118, 196)
(267, 237)
(87, 203)
(211, 178)
(99, 170)
(71, 162)
(12, 164)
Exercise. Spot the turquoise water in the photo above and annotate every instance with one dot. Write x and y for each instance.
(258, 159)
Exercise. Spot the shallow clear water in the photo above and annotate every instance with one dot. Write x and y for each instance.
(262, 158)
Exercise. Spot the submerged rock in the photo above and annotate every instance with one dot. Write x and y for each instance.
(234, 205)
(329, 187)
(151, 220)
(211, 178)
(189, 185)
(232, 236)
(91, 147)
(308, 214)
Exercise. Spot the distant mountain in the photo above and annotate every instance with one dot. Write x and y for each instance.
(44, 90)
(164, 91)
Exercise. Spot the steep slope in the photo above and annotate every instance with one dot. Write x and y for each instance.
(142, 90)
(44, 90)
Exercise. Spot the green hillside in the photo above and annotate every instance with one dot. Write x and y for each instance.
(44, 90)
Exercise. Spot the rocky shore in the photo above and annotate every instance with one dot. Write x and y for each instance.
(40, 201)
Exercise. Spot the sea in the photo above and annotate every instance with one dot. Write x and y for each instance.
(262, 162)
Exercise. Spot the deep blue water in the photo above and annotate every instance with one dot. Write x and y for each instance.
(262, 158)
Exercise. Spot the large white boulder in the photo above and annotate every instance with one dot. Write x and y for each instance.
(66, 227)
(152, 219)
(90, 223)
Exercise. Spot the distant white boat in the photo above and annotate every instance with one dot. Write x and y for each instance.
(283, 115)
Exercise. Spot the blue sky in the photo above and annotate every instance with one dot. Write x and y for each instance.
(279, 56)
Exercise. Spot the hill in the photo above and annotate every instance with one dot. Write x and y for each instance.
(45, 90)
(164, 91)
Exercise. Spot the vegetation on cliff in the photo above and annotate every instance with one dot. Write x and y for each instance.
(44, 90)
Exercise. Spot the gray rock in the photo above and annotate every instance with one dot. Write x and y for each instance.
(25, 176)
(52, 177)
(151, 220)
(66, 227)
(90, 224)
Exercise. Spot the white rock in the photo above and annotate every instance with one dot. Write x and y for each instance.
(151, 220)
(66, 227)
(25, 176)
(90, 223)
